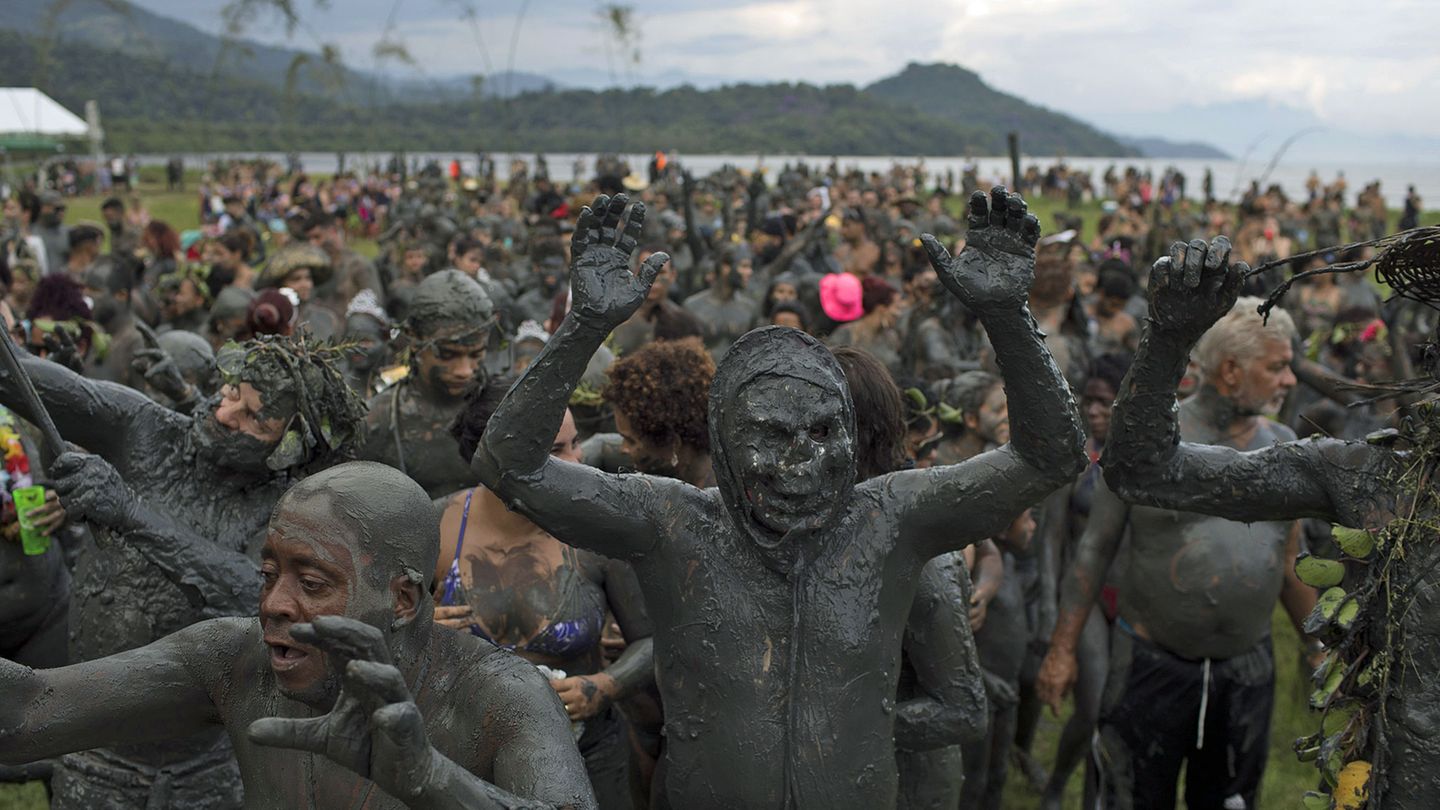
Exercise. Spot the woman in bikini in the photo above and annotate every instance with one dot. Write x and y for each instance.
(503, 578)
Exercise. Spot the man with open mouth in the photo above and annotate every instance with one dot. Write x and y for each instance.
(343, 665)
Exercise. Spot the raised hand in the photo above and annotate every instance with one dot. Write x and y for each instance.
(996, 268)
(161, 373)
(603, 290)
(1193, 287)
(375, 728)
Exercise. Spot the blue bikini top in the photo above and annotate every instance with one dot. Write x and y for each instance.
(562, 639)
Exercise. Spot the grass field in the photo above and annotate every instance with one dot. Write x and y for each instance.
(1285, 779)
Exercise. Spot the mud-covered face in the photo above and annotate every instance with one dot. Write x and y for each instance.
(1096, 402)
(308, 568)
(369, 342)
(993, 419)
(791, 449)
(448, 368)
(231, 429)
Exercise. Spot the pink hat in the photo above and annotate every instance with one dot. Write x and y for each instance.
(842, 297)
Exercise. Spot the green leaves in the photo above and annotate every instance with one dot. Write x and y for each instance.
(1356, 543)
(1318, 572)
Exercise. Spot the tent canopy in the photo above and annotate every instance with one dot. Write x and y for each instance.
(27, 111)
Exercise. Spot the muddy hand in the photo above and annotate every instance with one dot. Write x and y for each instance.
(1193, 287)
(161, 373)
(374, 728)
(997, 266)
(93, 490)
(604, 291)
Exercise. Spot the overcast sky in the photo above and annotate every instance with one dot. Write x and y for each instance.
(1372, 65)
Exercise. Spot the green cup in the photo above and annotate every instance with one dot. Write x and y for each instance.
(27, 500)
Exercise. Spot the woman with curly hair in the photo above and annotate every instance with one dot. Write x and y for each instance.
(660, 395)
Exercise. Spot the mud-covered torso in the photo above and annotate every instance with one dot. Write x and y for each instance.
(540, 598)
(1202, 586)
(789, 680)
(402, 424)
(444, 687)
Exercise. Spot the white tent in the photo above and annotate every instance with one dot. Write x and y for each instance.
(27, 111)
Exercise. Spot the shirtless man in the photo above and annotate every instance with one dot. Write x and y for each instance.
(1351, 483)
(384, 711)
(1192, 673)
(780, 598)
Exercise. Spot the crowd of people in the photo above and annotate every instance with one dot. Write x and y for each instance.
(671, 557)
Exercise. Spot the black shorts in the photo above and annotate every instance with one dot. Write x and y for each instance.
(1150, 725)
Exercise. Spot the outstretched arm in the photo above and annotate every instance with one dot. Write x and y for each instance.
(156, 692)
(992, 277)
(1145, 461)
(94, 414)
(951, 708)
(611, 514)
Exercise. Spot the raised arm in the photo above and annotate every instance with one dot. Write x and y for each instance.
(1145, 461)
(992, 277)
(612, 514)
(156, 692)
(951, 708)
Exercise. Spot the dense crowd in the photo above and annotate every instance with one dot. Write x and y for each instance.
(207, 376)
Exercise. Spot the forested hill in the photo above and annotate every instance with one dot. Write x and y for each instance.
(148, 105)
(952, 93)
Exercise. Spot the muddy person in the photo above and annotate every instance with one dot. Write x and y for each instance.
(344, 665)
(175, 503)
(781, 597)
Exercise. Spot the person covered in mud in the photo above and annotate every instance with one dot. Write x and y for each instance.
(367, 336)
(408, 426)
(1191, 677)
(780, 598)
(940, 701)
(1358, 484)
(506, 580)
(1067, 516)
(343, 693)
(722, 307)
(175, 502)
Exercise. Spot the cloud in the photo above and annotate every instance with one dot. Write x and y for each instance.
(1371, 66)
